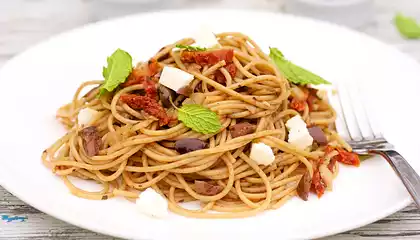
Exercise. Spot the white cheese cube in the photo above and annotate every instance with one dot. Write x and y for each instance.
(323, 90)
(295, 122)
(262, 154)
(299, 138)
(86, 116)
(152, 203)
(205, 38)
(175, 78)
(298, 133)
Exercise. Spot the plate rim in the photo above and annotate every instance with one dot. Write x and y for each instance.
(94, 227)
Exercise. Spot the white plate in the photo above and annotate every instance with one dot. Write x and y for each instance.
(37, 82)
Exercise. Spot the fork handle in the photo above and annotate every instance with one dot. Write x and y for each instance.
(408, 176)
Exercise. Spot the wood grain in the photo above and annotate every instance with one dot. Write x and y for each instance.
(26, 22)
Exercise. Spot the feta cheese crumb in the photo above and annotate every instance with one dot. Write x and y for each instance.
(86, 116)
(298, 133)
(295, 122)
(204, 37)
(152, 203)
(262, 154)
(323, 90)
(175, 78)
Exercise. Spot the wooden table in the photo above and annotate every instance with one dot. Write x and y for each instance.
(26, 22)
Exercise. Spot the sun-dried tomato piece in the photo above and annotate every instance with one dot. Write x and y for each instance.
(207, 57)
(149, 105)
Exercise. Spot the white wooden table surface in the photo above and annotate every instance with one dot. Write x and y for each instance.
(26, 22)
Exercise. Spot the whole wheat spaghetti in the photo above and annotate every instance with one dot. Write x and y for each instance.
(130, 147)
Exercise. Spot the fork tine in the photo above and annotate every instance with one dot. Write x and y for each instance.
(359, 112)
(348, 113)
(370, 115)
(339, 122)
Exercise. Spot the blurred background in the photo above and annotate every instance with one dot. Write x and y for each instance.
(25, 22)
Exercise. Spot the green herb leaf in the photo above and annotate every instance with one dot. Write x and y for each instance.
(294, 73)
(120, 65)
(191, 48)
(199, 118)
(365, 157)
(407, 26)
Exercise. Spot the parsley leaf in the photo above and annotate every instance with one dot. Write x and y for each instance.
(199, 118)
(294, 73)
(364, 157)
(407, 26)
(191, 48)
(120, 65)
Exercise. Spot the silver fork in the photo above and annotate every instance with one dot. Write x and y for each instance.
(365, 138)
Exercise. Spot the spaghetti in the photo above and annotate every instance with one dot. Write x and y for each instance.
(137, 148)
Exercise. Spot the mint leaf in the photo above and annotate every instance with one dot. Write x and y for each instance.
(191, 48)
(294, 73)
(120, 65)
(276, 52)
(199, 118)
(407, 26)
(364, 157)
